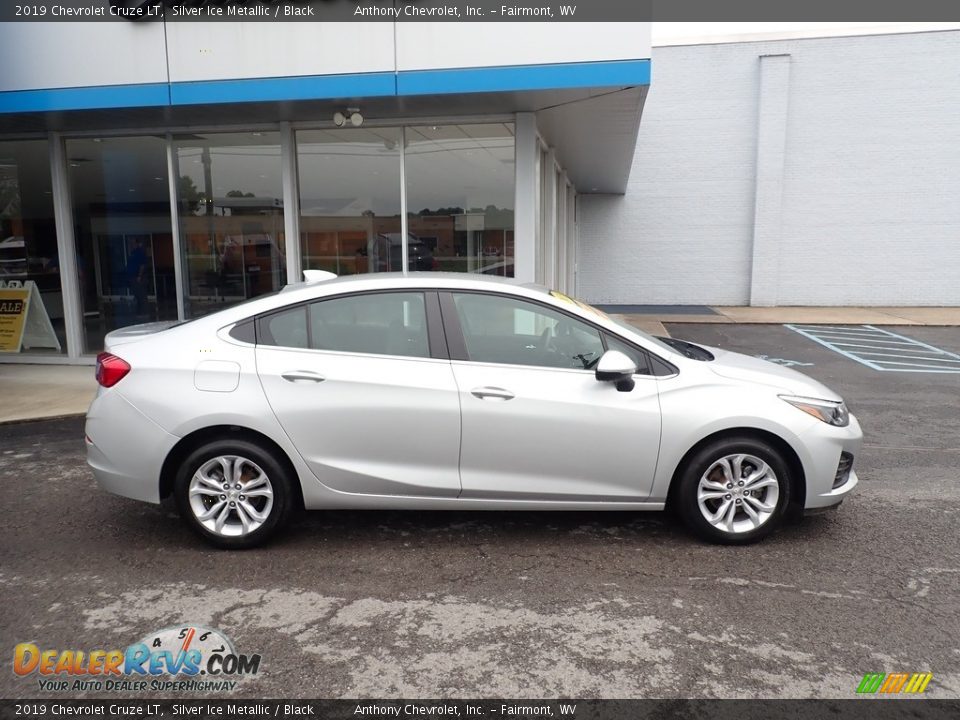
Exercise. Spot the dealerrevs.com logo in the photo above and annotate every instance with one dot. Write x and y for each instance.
(182, 658)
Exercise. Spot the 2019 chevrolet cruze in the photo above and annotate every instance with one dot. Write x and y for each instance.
(452, 391)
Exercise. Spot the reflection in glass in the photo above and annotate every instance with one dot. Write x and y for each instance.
(460, 197)
(121, 215)
(28, 234)
(350, 200)
(231, 216)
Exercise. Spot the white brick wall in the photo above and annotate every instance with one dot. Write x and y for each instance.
(870, 205)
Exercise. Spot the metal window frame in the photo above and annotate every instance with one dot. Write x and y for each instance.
(572, 239)
(173, 179)
(404, 218)
(290, 177)
(66, 247)
(526, 184)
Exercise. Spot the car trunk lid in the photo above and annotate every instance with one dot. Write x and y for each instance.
(132, 333)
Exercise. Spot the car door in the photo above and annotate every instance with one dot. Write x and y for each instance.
(536, 423)
(365, 392)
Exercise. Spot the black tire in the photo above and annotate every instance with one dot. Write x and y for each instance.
(701, 461)
(282, 489)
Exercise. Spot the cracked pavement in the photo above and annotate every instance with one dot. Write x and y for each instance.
(525, 605)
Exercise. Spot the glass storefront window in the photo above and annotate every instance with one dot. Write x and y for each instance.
(460, 197)
(229, 198)
(28, 243)
(121, 216)
(349, 183)
(230, 195)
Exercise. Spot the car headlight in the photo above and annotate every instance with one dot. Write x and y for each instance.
(831, 412)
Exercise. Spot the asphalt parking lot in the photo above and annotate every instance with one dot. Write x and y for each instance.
(374, 604)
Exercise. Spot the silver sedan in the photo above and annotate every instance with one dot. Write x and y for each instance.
(434, 391)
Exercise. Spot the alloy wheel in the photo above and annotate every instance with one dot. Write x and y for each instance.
(738, 493)
(230, 495)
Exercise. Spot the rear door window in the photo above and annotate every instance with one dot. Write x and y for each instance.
(375, 324)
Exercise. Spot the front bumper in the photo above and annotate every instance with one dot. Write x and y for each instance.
(823, 445)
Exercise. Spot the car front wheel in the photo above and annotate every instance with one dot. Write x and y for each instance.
(233, 493)
(734, 491)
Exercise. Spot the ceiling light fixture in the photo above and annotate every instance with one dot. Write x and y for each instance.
(351, 114)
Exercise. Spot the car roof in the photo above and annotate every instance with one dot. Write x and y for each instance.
(420, 279)
(305, 291)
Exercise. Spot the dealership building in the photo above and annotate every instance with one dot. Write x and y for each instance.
(160, 170)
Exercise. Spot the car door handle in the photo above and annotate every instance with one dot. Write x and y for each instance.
(297, 375)
(491, 393)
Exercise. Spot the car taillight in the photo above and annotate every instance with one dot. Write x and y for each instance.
(111, 369)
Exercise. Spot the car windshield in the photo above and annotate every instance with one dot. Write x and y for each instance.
(610, 318)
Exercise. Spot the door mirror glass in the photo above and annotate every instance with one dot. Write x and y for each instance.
(617, 368)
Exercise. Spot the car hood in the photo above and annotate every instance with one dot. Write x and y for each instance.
(135, 332)
(736, 366)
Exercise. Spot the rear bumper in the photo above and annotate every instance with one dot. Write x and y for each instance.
(125, 449)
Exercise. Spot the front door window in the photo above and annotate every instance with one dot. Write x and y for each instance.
(505, 330)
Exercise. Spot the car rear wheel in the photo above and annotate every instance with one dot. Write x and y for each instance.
(734, 491)
(233, 493)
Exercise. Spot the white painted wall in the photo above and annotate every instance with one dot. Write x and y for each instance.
(436, 45)
(680, 234)
(228, 50)
(870, 179)
(82, 54)
(37, 55)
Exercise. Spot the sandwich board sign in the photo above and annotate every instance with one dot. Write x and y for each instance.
(24, 322)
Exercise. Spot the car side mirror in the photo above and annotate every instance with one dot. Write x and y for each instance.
(617, 368)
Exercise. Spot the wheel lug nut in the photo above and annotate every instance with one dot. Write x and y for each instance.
(740, 483)
(726, 497)
(233, 504)
(226, 486)
(223, 497)
(237, 486)
(738, 501)
(746, 493)
(729, 485)
(241, 498)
